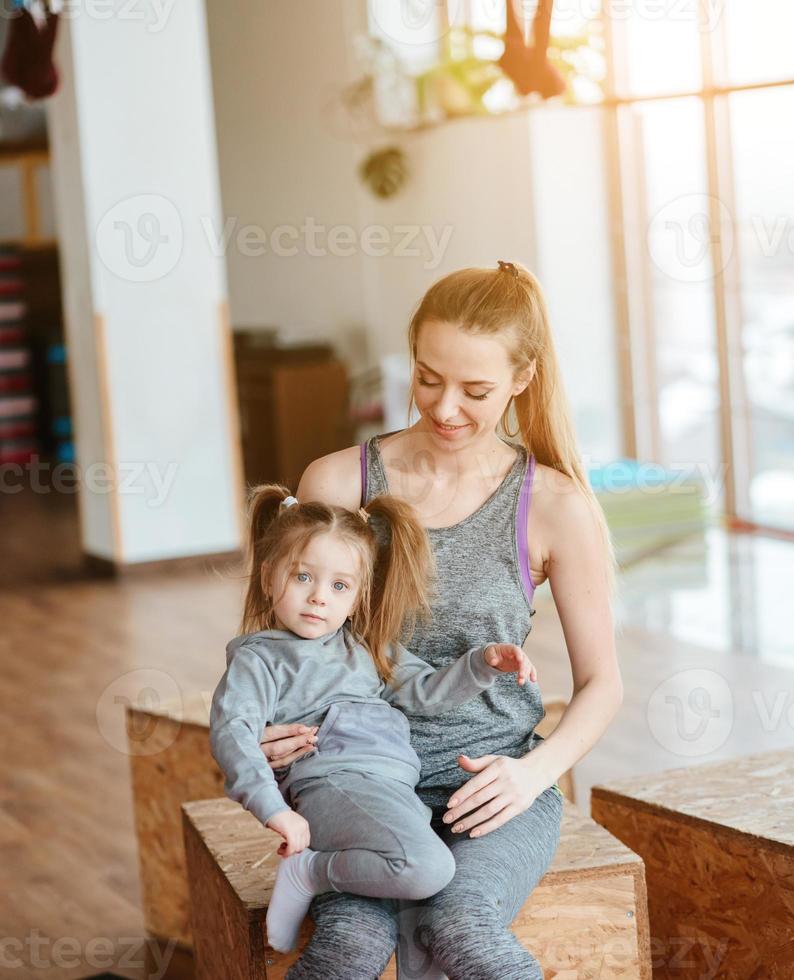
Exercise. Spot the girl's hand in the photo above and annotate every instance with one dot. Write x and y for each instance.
(293, 828)
(283, 744)
(509, 658)
(502, 788)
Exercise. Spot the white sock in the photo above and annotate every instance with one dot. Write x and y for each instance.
(292, 895)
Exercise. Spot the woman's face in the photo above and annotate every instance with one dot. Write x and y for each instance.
(462, 382)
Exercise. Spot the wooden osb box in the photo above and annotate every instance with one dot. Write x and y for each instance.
(171, 764)
(718, 846)
(586, 919)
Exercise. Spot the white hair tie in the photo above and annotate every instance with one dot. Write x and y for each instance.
(289, 501)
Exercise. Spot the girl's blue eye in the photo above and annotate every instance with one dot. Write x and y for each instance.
(302, 576)
(339, 583)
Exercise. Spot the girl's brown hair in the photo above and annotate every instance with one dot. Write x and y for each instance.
(508, 302)
(396, 563)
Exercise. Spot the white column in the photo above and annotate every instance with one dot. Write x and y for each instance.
(135, 180)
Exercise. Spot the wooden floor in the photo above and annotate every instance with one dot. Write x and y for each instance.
(74, 652)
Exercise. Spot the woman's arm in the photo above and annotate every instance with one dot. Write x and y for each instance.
(576, 569)
(332, 479)
(577, 575)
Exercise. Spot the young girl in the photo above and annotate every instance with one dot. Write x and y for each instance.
(326, 600)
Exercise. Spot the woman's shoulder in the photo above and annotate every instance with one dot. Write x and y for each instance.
(333, 479)
(561, 508)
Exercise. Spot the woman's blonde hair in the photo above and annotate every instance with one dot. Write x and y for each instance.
(396, 566)
(508, 302)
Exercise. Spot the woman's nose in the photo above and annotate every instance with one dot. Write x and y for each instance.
(447, 407)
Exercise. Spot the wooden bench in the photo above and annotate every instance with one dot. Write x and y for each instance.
(587, 918)
(718, 846)
(170, 763)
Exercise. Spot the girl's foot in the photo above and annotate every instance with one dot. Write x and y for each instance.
(292, 895)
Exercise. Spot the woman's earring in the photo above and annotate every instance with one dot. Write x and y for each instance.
(506, 416)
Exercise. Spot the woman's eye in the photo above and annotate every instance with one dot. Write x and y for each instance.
(427, 384)
(478, 397)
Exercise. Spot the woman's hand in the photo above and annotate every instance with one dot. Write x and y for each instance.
(510, 658)
(283, 744)
(502, 788)
(293, 828)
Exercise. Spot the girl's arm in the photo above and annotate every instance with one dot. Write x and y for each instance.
(241, 704)
(332, 479)
(421, 689)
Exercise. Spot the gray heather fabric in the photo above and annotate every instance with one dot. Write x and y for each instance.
(372, 834)
(465, 924)
(480, 597)
(277, 677)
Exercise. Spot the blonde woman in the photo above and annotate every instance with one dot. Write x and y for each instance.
(502, 517)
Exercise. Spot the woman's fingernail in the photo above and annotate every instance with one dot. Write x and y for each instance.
(453, 802)
(457, 830)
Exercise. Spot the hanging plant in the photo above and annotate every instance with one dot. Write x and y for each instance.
(385, 171)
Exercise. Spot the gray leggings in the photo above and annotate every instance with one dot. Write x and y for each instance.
(373, 836)
(464, 926)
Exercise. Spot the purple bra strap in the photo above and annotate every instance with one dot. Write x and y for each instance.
(363, 474)
(521, 529)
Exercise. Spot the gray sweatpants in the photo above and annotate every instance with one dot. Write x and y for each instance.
(373, 836)
(463, 928)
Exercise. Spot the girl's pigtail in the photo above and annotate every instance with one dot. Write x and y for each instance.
(403, 577)
(263, 508)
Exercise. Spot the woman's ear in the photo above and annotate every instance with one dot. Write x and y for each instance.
(525, 377)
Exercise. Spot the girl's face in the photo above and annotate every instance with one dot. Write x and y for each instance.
(462, 383)
(317, 595)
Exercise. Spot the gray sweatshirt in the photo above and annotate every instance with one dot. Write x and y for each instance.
(277, 677)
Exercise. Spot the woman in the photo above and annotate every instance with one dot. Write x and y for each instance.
(482, 352)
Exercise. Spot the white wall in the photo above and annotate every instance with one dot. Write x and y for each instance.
(135, 175)
(283, 160)
(528, 187)
(275, 66)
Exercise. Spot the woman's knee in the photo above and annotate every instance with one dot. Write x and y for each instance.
(354, 937)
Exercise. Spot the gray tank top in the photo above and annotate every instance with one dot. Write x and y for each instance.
(484, 594)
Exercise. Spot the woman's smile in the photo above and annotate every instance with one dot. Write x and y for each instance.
(448, 430)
